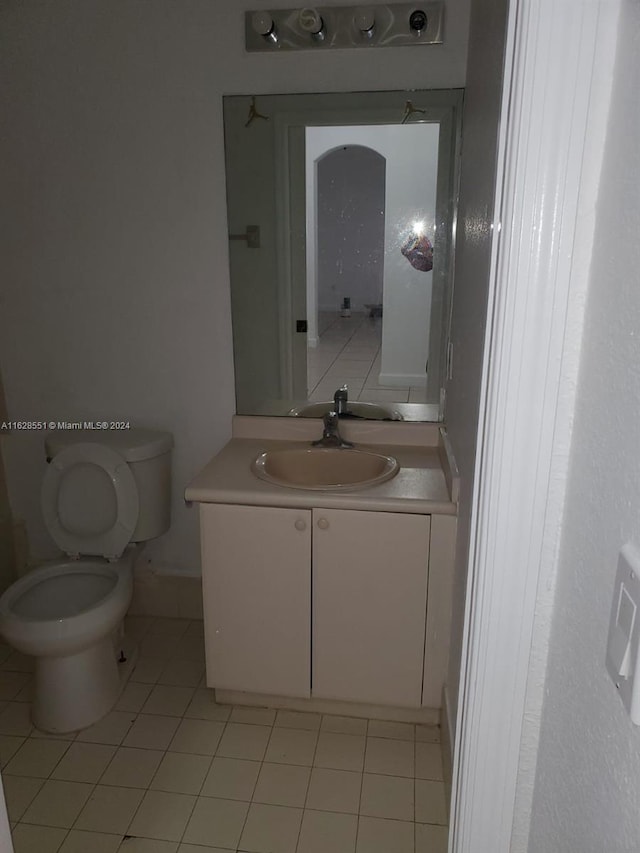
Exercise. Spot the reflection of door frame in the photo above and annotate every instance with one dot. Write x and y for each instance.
(551, 137)
(443, 106)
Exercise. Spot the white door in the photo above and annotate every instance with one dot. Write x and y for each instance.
(256, 583)
(369, 606)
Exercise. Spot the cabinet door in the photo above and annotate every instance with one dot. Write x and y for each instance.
(369, 606)
(256, 578)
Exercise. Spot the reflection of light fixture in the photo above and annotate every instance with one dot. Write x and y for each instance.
(310, 21)
(418, 227)
(263, 24)
(364, 21)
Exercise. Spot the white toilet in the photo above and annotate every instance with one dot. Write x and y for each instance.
(102, 492)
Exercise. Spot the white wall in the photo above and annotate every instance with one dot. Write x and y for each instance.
(411, 155)
(113, 242)
(412, 173)
(350, 215)
(472, 260)
(7, 552)
(588, 774)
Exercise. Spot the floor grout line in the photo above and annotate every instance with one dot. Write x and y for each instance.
(364, 758)
(402, 394)
(181, 718)
(306, 795)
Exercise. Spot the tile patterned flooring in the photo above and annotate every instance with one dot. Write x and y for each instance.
(170, 771)
(349, 351)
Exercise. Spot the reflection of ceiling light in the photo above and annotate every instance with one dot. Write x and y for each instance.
(418, 227)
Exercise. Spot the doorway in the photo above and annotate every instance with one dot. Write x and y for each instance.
(371, 194)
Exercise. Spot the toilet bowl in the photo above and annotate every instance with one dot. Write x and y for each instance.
(65, 615)
(97, 499)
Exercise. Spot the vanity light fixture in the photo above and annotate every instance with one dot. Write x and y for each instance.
(327, 27)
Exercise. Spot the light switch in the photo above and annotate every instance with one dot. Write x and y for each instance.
(623, 657)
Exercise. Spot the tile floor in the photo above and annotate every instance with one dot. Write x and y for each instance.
(170, 771)
(348, 352)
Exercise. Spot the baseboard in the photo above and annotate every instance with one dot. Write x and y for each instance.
(425, 716)
(159, 594)
(401, 380)
(447, 734)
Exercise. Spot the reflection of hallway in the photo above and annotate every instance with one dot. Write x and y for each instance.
(348, 352)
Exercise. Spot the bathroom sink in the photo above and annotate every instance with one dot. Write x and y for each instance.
(324, 468)
(371, 411)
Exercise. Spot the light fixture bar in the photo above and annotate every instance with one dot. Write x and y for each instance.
(326, 28)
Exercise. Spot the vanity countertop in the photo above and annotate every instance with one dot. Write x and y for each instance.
(419, 487)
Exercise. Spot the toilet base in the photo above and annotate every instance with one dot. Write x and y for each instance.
(75, 691)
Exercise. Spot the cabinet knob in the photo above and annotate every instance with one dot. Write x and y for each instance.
(323, 524)
(300, 524)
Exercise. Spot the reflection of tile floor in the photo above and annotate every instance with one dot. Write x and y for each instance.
(169, 771)
(348, 352)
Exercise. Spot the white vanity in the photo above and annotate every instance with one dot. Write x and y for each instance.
(318, 598)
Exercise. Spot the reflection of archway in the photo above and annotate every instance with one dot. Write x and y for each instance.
(350, 205)
(411, 168)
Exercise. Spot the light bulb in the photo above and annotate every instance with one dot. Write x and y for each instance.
(311, 21)
(262, 23)
(364, 20)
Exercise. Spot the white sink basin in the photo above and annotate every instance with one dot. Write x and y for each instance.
(371, 411)
(324, 468)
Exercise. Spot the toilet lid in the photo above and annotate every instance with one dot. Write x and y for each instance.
(90, 500)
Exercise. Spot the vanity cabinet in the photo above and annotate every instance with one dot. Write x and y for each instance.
(369, 606)
(256, 587)
(322, 603)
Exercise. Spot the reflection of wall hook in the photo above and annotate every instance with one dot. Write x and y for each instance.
(409, 110)
(253, 113)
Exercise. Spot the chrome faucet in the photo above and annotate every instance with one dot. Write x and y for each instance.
(341, 400)
(330, 433)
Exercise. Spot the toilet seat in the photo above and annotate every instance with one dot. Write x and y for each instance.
(65, 606)
(62, 590)
(80, 482)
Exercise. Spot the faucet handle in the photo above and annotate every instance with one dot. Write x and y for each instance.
(341, 399)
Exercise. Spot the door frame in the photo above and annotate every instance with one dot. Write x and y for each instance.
(546, 191)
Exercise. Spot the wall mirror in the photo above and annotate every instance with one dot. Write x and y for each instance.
(341, 213)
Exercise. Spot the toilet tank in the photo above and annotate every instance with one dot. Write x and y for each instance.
(148, 455)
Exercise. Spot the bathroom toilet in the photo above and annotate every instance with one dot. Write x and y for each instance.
(102, 493)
